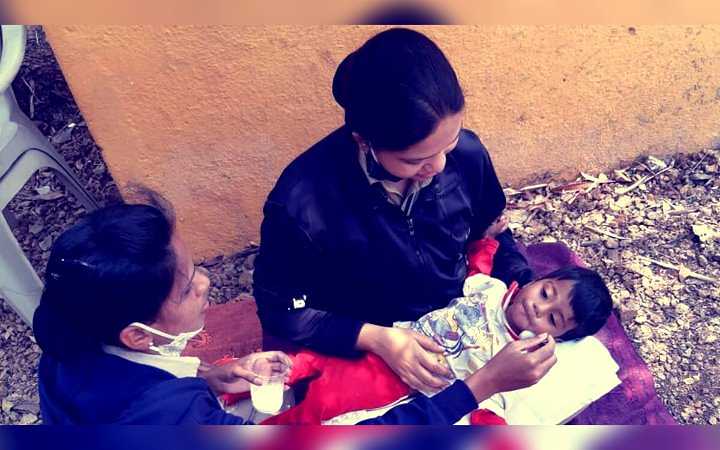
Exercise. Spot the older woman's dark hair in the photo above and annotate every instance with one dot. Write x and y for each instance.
(113, 267)
(396, 88)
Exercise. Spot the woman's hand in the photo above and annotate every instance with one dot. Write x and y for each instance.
(416, 359)
(518, 365)
(235, 376)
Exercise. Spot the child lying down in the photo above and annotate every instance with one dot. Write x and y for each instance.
(569, 304)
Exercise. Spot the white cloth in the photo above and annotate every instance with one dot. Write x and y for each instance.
(584, 372)
(179, 366)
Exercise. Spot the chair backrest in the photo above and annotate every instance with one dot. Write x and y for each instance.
(13, 52)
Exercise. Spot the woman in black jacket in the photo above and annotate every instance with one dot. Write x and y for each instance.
(370, 225)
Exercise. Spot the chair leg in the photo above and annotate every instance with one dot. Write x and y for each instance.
(19, 284)
(44, 155)
(66, 177)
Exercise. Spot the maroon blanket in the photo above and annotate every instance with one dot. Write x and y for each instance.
(233, 329)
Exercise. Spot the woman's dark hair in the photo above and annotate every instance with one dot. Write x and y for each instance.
(113, 267)
(589, 298)
(396, 88)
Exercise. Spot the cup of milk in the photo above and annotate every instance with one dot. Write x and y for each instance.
(267, 397)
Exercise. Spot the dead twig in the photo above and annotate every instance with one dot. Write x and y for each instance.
(532, 215)
(510, 192)
(620, 173)
(533, 187)
(699, 162)
(32, 99)
(574, 197)
(683, 271)
(572, 186)
(683, 212)
(642, 180)
(606, 233)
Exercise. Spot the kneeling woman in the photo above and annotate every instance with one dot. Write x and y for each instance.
(122, 298)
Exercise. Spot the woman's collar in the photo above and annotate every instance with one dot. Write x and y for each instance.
(178, 366)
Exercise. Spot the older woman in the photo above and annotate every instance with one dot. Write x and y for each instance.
(122, 298)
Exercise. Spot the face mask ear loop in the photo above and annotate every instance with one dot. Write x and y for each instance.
(376, 169)
(176, 345)
(154, 331)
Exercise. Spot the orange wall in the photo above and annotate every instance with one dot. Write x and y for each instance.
(211, 115)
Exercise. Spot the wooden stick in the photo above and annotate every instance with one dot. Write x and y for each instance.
(642, 181)
(699, 162)
(688, 273)
(571, 186)
(606, 233)
(532, 215)
(510, 192)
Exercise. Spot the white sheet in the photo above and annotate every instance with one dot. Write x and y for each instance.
(584, 372)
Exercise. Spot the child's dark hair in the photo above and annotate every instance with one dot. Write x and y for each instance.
(396, 88)
(115, 266)
(589, 298)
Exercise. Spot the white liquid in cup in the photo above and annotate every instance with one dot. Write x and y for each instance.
(268, 398)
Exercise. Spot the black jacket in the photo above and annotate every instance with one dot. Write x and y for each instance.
(332, 240)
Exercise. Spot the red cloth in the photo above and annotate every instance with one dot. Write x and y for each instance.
(230, 329)
(480, 256)
(342, 385)
(338, 386)
(485, 417)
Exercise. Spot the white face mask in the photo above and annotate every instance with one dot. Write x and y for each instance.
(177, 343)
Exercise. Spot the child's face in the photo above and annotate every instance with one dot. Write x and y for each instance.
(542, 306)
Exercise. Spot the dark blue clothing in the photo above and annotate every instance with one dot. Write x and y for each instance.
(333, 240)
(99, 388)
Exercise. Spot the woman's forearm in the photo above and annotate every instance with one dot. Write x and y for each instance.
(370, 337)
(481, 385)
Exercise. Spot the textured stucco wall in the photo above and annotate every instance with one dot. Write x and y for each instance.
(211, 115)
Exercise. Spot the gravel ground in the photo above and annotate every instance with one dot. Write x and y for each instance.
(666, 210)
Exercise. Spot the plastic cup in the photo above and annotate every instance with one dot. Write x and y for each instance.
(267, 398)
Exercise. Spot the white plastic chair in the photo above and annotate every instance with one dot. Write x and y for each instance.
(23, 151)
